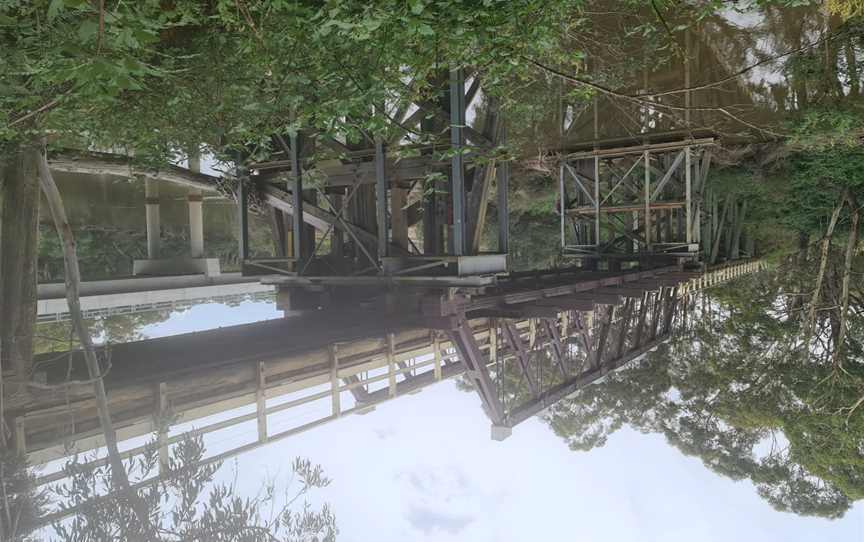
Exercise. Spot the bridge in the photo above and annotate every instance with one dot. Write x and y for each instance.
(523, 346)
(414, 202)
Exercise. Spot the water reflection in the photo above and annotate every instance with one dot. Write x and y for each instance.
(746, 392)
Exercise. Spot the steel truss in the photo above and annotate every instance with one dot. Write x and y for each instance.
(632, 202)
(533, 363)
(374, 196)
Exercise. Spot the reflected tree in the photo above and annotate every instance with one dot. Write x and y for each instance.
(747, 394)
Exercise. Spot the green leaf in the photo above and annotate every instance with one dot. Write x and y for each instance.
(425, 30)
(88, 30)
(417, 6)
(55, 8)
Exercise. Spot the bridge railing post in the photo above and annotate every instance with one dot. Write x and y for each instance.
(261, 401)
(335, 388)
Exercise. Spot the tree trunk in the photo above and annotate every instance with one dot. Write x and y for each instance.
(19, 242)
(73, 281)
(739, 228)
(851, 245)
(823, 264)
(715, 249)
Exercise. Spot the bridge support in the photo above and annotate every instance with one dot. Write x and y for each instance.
(154, 225)
(633, 202)
(194, 263)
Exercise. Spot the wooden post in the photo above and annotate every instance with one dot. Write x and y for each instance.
(391, 364)
(162, 407)
(261, 402)
(335, 391)
(436, 347)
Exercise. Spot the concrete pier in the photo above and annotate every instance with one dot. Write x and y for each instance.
(154, 225)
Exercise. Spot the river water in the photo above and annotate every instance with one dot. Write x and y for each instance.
(737, 420)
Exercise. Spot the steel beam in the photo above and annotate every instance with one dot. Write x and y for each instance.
(381, 197)
(457, 125)
(243, 216)
(503, 175)
(297, 200)
(550, 326)
(514, 340)
(465, 344)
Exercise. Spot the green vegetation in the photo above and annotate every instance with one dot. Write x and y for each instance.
(184, 502)
(747, 393)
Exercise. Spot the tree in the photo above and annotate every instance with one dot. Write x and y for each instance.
(184, 502)
(742, 379)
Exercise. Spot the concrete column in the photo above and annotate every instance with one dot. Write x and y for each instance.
(196, 211)
(154, 226)
(501, 432)
(195, 160)
(196, 224)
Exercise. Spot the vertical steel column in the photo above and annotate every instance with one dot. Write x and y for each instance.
(381, 197)
(297, 201)
(688, 186)
(503, 173)
(687, 96)
(597, 202)
(457, 122)
(647, 201)
(243, 214)
(562, 205)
